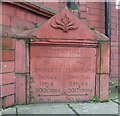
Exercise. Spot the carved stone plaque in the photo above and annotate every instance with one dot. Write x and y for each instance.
(62, 73)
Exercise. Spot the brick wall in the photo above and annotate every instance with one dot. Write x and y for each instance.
(119, 43)
(93, 13)
(14, 52)
(7, 74)
(114, 42)
(96, 16)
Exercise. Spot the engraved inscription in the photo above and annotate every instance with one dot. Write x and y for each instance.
(79, 84)
(46, 90)
(62, 73)
(45, 51)
(46, 69)
(47, 77)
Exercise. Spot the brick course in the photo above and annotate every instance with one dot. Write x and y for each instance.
(115, 43)
(15, 20)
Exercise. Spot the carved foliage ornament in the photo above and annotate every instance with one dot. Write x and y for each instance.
(65, 24)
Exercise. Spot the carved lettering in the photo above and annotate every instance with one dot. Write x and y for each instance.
(81, 90)
(64, 52)
(47, 90)
(74, 99)
(47, 77)
(76, 83)
(63, 73)
(47, 70)
(80, 77)
(47, 84)
(81, 69)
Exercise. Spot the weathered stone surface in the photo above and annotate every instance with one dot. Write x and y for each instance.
(61, 74)
(20, 56)
(8, 43)
(66, 25)
(20, 84)
(70, 64)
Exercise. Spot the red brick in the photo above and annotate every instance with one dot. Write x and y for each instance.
(113, 26)
(114, 14)
(113, 2)
(97, 12)
(114, 69)
(82, 3)
(62, 5)
(8, 90)
(114, 32)
(95, 18)
(114, 75)
(0, 8)
(114, 62)
(83, 8)
(8, 101)
(30, 17)
(52, 5)
(7, 66)
(8, 9)
(114, 20)
(7, 78)
(5, 20)
(114, 50)
(114, 56)
(41, 20)
(83, 15)
(96, 24)
(20, 25)
(8, 43)
(113, 8)
(114, 44)
(8, 55)
(0, 19)
(99, 5)
(119, 58)
(6, 30)
(114, 38)
(101, 30)
(20, 13)
(1, 22)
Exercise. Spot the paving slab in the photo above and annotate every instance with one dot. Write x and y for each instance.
(64, 108)
(96, 108)
(47, 108)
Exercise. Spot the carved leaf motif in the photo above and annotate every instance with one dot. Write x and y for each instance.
(65, 24)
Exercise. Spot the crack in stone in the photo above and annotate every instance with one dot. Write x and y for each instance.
(73, 110)
(115, 101)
